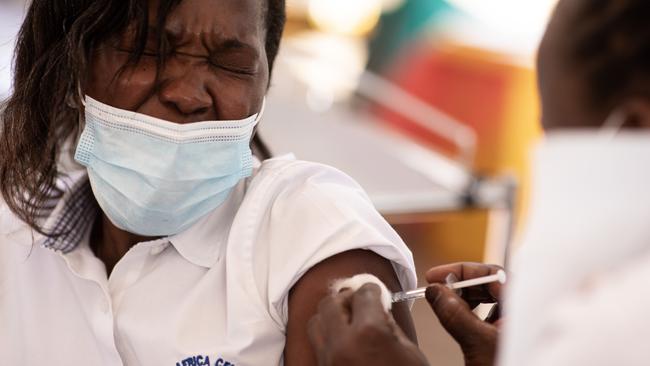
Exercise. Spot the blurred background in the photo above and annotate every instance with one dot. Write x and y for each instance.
(429, 104)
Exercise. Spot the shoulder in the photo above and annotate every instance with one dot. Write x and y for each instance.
(286, 174)
(315, 205)
(311, 203)
(305, 189)
(316, 224)
(296, 214)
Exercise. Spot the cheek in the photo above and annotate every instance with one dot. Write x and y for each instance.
(237, 98)
(123, 87)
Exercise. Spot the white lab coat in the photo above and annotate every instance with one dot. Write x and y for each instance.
(580, 290)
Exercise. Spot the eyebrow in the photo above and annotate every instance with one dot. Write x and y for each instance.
(234, 43)
(222, 45)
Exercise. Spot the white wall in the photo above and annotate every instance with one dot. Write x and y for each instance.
(11, 14)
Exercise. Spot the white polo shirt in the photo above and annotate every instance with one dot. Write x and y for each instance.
(214, 295)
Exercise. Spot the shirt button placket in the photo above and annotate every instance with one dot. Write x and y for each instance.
(104, 325)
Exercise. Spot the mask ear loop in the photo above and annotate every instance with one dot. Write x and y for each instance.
(65, 160)
(613, 124)
(81, 117)
(258, 117)
(82, 97)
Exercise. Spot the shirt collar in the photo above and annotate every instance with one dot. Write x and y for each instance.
(72, 218)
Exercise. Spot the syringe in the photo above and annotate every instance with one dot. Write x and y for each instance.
(419, 293)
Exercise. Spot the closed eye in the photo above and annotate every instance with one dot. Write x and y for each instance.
(146, 52)
(248, 71)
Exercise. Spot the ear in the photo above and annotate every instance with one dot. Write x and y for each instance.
(637, 112)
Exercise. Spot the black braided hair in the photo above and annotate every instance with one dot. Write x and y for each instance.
(609, 47)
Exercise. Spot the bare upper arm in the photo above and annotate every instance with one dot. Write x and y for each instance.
(314, 286)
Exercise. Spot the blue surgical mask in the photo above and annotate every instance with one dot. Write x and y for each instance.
(156, 178)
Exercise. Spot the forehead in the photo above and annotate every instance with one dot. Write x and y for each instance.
(242, 19)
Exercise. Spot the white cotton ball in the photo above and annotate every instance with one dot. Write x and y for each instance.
(355, 282)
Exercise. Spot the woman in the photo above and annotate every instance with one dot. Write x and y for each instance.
(164, 241)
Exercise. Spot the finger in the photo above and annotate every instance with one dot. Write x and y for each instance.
(465, 271)
(345, 296)
(397, 330)
(334, 313)
(462, 270)
(316, 333)
(345, 291)
(455, 315)
(476, 295)
(344, 299)
(367, 307)
(317, 339)
(488, 293)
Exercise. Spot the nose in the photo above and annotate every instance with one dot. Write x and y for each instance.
(187, 95)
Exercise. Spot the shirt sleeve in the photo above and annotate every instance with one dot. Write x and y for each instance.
(314, 212)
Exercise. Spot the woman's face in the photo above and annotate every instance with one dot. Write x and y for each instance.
(217, 67)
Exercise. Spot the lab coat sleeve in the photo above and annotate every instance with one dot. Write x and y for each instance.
(314, 213)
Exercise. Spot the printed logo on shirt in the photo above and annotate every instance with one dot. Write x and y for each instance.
(201, 360)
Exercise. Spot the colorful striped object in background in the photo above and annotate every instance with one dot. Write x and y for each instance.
(490, 93)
